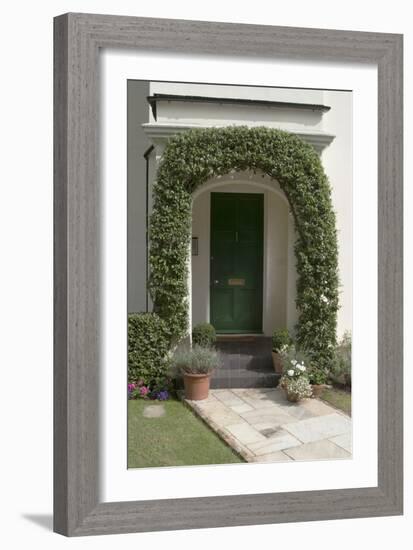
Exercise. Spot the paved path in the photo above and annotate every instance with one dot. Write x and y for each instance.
(262, 426)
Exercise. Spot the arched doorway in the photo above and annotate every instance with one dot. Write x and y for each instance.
(193, 158)
(276, 270)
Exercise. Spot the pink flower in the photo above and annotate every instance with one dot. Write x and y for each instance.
(143, 391)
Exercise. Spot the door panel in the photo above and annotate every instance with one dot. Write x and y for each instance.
(236, 261)
(223, 306)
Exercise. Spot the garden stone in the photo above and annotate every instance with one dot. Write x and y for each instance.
(153, 411)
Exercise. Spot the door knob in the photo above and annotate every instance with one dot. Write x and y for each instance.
(216, 281)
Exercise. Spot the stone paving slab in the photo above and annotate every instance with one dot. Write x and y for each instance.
(222, 415)
(316, 407)
(279, 456)
(325, 449)
(246, 434)
(229, 398)
(262, 426)
(344, 441)
(280, 441)
(264, 398)
(242, 408)
(272, 417)
(320, 427)
(259, 400)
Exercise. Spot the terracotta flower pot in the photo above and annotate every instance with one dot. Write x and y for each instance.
(290, 395)
(293, 397)
(318, 389)
(277, 362)
(196, 386)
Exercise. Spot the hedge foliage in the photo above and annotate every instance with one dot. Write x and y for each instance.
(204, 335)
(194, 156)
(148, 347)
(281, 340)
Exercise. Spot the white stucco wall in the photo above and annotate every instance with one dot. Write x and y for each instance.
(249, 115)
(338, 163)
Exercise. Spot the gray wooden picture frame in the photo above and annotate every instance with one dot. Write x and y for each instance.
(78, 39)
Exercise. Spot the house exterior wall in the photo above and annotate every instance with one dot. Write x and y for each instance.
(329, 132)
(138, 143)
(337, 161)
(247, 115)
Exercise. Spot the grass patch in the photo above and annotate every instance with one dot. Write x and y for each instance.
(341, 399)
(178, 438)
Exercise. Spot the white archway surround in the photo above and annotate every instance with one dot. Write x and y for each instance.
(279, 273)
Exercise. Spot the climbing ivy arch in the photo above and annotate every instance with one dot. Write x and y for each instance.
(193, 157)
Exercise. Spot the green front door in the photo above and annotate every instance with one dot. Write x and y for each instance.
(236, 262)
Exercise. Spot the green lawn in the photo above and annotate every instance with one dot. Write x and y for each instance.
(340, 399)
(178, 438)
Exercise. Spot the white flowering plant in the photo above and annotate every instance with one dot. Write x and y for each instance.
(295, 369)
(296, 388)
(291, 357)
(295, 380)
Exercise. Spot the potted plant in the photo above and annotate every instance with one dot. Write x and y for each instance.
(196, 365)
(281, 342)
(318, 379)
(295, 381)
(203, 334)
(316, 376)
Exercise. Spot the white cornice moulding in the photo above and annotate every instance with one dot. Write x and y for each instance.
(160, 133)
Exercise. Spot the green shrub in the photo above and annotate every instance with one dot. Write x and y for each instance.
(198, 360)
(281, 340)
(341, 370)
(317, 375)
(148, 347)
(204, 335)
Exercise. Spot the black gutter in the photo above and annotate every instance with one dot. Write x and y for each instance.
(153, 99)
(146, 157)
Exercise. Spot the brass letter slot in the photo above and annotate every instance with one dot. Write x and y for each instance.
(236, 282)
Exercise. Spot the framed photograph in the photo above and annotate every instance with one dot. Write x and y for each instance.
(228, 274)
